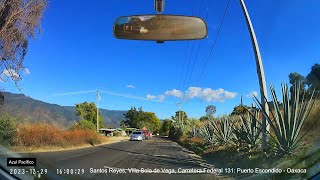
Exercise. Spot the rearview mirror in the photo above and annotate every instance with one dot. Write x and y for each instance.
(160, 28)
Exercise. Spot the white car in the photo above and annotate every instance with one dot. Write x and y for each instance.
(137, 136)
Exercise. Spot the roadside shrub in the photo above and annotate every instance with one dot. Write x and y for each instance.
(117, 133)
(7, 129)
(194, 144)
(40, 135)
(175, 133)
(84, 124)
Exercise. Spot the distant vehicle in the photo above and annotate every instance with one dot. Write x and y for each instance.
(147, 134)
(137, 135)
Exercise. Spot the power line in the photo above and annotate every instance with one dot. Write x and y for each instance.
(197, 51)
(111, 93)
(189, 59)
(185, 58)
(211, 50)
(74, 93)
(199, 44)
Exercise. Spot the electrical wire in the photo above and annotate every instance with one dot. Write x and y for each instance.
(211, 50)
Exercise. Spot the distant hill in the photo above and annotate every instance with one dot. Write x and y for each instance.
(27, 109)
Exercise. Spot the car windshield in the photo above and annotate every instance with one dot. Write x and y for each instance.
(137, 133)
(159, 89)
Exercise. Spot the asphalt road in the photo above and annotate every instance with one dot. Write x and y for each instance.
(154, 154)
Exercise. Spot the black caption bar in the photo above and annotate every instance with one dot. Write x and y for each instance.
(21, 162)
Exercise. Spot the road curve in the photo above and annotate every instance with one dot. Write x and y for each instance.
(157, 153)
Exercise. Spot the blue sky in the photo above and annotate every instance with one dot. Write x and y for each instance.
(76, 51)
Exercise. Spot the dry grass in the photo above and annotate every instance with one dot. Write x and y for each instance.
(312, 125)
(46, 135)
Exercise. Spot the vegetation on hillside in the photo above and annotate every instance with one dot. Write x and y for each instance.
(25, 109)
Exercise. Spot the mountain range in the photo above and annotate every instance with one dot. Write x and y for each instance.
(27, 109)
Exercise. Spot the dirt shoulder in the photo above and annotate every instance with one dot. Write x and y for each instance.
(106, 140)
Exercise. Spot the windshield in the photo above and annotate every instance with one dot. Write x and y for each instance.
(159, 89)
(137, 133)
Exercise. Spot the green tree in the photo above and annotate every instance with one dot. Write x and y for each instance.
(151, 121)
(133, 117)
(182, 115)
(313, 78)
(211, 110)
(204, 118)
(240, 110)
(297, 79)
(8, 129)
(88, 111)
(138, 118)
(166, 127)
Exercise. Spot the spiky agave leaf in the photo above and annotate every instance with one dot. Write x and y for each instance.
(287, 124)
(223, 129)
(206, 133)
(249, 131)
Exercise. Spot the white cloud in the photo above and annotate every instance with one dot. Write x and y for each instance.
(206, 94)
(150, 97)
(26, 71)
(174, 92)
(209, 95)
(130, 86)
(252, 94)
(161, 98)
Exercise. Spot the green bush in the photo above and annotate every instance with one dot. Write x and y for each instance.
(84, 124)
(175, 133)
(8, 129)
(117, 133)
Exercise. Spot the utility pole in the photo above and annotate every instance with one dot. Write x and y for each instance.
(98, 99)
(260, 72)
(179, 115)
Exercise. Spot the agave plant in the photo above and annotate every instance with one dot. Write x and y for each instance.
(205, 132)
(286, 123)
(223, 129)
(249, 130)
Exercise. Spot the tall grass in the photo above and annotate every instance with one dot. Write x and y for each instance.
(42, 135)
